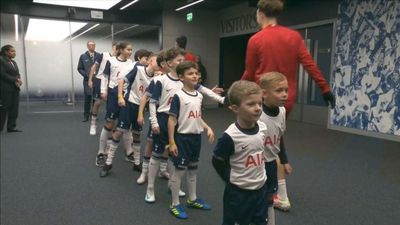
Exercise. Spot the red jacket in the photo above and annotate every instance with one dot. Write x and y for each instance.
(277, 48)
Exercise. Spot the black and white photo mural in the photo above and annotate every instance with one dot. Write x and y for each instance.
(366, 80)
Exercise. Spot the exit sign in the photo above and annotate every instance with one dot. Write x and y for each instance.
(189, 17)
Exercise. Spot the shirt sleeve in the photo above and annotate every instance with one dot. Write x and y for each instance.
(175, 106)
(225, 147)
(81, 68)
(251, 61)
(304, 57)
(156, 92)
(208, 92)
(150, 88)
(99, 58)
(107, 69)
(282, 153)
(130, 77)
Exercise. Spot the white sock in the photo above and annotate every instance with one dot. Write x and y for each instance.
(271, 216)
(136, 152)
(282, 192)
(93, 120)
(154, 165)
(127, 138)
(111, 152)
(191, 184)
(175, 183)
(163, 164)
(104, 135)
(145, 165)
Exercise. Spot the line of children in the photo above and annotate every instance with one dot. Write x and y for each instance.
(161, 95)
(164, 89)
(137, 81)
(185, 125)
(113, 72)
(163, 173)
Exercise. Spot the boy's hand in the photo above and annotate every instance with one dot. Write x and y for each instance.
(156, 130)
(288, 168)
(121, 102)
(90, 83)
(140, 120)
(217, 90)
(173, 150)
(210, 135)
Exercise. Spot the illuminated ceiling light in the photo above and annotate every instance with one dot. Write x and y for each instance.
(92, 4)
(188, 5)
(50, 30)
(89, 29)
(16, 27)
(127, 5)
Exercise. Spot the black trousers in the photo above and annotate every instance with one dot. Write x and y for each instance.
(9, 107)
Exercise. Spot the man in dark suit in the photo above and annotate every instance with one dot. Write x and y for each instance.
(86, 61)
(10, 82)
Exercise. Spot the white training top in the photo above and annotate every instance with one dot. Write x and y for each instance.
(164, 89)
(247, 161)
(115, 69)
(101, 62)
(276, 127)
(186, 107)
(138, 83)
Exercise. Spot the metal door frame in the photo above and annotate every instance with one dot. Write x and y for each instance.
(318, 115)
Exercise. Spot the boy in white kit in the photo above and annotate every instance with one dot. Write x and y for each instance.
(239, 158)
(275, 93)
(165, 88)
(137, 80)
(99, 84)
(185, 125)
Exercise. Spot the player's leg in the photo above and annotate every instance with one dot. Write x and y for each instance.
(136, 130)
(146, 158)
(96, 106)
(121, 130)
(191, 148)
(272, 186)
(282, 201)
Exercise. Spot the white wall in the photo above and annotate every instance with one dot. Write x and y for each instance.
(203, 40)
(48, 71)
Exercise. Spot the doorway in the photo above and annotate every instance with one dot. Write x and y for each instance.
(310, 106)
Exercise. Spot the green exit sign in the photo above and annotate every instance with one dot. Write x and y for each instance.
(189, 17)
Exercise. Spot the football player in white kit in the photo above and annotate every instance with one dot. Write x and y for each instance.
(99, 85)
(185, 125)
(112, 73)
(275, 93)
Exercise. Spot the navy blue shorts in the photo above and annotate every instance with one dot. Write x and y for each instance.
(161, 140)
(96, 88)
(128, 117)
(244, 206)
(189, 146)
(112, 105)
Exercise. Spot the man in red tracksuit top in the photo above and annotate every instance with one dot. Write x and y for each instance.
(280, 49)
(277, 48)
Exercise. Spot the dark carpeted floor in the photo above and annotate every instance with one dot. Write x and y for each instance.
(49, 177)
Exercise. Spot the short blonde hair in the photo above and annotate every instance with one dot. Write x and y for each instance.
(267, 79)
(239, 90)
